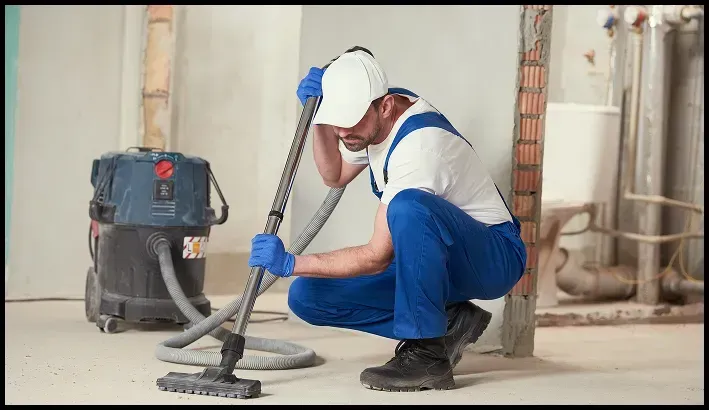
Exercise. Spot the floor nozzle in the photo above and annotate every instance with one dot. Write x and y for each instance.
(212, 381)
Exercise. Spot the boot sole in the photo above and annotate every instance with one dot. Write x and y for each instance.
(482, 320)
(439, 383)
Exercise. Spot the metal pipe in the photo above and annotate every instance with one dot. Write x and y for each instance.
(608, 283)
(636, 16)
(276, 215)
(654, 124)
(637, 57)
(674, 285)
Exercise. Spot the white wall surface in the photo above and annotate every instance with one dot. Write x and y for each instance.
(463, 59)
(68, 113)
(234, 104)
(572, 79)
(236, 70)
(578, 86)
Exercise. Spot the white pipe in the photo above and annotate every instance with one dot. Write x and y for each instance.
(677, 14)
(692, 12)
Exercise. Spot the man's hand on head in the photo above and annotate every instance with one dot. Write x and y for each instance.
(310, 85)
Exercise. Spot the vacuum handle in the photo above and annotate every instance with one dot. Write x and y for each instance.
(233, 347)
(275, 217)
(145, 149)
(225, 207)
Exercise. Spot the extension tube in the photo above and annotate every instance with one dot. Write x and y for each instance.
(294, 356)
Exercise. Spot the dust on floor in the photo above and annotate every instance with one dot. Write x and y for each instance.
(53, 356)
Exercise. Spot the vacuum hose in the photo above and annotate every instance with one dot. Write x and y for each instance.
(294, 356)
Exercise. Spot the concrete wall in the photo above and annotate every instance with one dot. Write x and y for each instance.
(460, 58)
(68, 112)
(234, 103)
(80, 73)
(12, 43)
(236, 69)
(573, 78)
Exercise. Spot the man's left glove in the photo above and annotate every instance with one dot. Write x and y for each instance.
(268, 252)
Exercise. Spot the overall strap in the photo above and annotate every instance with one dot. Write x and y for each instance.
(411, 124)
(416, 122)
(373, 183)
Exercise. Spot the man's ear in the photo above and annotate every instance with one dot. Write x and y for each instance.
(387, 106)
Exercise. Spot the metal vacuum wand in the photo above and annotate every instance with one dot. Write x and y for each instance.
(275, 217)
(220, 380)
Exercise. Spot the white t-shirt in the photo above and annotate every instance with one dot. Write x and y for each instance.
(437, 161)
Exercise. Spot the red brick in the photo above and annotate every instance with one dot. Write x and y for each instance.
(532, 257)
(526, 180)
(525, 286)
(535, 54)
(529, 232)
(524, 205)
(530, 103)
(533, 76)
(530, 129)
(528, 154)
(525, 103)
(161, 12)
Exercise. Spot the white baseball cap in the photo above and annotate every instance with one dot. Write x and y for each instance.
(349, 86)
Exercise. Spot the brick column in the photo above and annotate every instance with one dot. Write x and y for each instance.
(520, 303)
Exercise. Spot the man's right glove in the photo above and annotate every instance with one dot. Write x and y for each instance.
(311, 85)
(268, 252)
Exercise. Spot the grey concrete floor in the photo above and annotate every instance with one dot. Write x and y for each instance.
(53, 356)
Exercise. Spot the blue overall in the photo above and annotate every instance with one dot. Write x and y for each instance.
(442, 256)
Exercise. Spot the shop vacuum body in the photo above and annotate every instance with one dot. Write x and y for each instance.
(138, 198)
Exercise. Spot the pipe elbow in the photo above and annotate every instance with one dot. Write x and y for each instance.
(572, 277)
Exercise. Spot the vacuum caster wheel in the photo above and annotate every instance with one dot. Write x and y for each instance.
(92, 296)
(107, 324)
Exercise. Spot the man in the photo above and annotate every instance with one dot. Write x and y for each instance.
(443, 235)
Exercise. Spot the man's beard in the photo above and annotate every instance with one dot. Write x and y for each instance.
(357, 143)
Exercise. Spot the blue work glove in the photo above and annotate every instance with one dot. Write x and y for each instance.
(268, 252)
(311, 85)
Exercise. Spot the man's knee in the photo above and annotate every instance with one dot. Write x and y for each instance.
(302, 301)
(298, 302)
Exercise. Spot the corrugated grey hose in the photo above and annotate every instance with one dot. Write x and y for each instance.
(294, 356)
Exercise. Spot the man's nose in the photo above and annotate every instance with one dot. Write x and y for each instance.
(342, 132)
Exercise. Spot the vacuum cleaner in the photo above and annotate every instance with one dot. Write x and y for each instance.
(151, 218)
(142, 201)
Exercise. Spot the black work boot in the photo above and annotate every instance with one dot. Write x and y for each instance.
(418, 364)
(466, 322)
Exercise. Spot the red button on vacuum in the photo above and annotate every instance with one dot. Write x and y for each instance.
(164, 169)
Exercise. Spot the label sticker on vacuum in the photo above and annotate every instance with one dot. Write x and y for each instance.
(195, 247)
(163, 190)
